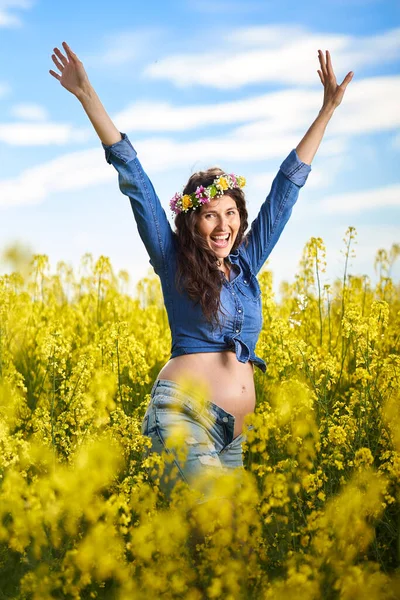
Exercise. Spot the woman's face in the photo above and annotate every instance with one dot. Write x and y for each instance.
(219, 222)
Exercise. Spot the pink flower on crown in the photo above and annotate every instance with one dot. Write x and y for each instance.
(199, 192)
(173, 203)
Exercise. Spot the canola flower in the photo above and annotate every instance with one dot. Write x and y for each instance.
(313, 515)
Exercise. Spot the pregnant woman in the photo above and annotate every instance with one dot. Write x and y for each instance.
(208, 269)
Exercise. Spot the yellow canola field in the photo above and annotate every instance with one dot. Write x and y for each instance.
(316, 514)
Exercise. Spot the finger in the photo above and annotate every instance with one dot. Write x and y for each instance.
(322, 62)
(347, 79)
(70, 54)
(61, 56)
(55, 75)
(57, 63)
(321, 76)
(329, 64)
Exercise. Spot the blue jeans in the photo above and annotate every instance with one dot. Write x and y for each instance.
(206, 446)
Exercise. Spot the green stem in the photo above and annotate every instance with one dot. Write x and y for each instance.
(53, 441)
(68, 402)
(329, 324)
(98, 298)
(319, 299)
(119, 374)
(364, 296)
(344, 288)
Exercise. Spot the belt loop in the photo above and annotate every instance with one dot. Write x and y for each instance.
(155, 385)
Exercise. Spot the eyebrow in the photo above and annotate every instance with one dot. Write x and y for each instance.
(215, 212)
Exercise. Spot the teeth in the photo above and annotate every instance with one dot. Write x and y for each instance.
(220, 237)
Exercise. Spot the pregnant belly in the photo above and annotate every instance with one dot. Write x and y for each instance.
(230, 382)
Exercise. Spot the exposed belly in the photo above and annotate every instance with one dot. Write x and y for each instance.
(231, 383)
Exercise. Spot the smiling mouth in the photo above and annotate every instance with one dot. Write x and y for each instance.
(221, 241)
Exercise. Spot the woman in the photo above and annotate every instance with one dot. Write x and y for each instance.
(208, 271)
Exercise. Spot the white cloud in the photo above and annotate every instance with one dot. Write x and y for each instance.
(254, 55)
(356, 114)
(8, 18)
(377, 111)
(41, 134)
(73, 171)
(161, 116)
(290, 110)
(29, 112)
(384, 197)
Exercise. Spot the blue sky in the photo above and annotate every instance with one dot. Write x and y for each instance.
(194, 84)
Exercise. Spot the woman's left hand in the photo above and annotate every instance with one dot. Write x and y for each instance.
(333, 93)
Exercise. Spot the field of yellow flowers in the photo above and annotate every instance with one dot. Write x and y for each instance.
(317, 512)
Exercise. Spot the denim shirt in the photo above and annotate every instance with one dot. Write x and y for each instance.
(240, 301)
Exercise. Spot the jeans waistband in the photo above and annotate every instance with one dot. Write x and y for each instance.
(173, 388)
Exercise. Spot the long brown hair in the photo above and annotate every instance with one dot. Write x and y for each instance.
(197, 269)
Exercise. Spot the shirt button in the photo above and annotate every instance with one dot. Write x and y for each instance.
(233, 293)
(237, 330)
(244, 280)
(239, 310)
(225, 419)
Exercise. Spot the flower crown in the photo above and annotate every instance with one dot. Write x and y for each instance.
(203, 195)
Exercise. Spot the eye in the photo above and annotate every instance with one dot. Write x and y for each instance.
(209, 215)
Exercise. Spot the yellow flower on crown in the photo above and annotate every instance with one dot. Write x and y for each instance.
(241, 180)
(186, 202)
(222, 183)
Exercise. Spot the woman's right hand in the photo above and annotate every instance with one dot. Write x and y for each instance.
(73, 75)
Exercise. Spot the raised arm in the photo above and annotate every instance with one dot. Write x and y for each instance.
(154, 228)
(333, 96)
(277, 208)
(74, 79)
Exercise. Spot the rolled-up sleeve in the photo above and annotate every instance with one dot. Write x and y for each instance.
(294, 169)
(153, 226)
(122, 150)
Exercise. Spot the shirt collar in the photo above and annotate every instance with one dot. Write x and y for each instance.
(234, 256)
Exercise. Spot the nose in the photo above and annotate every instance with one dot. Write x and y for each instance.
(223, 223)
